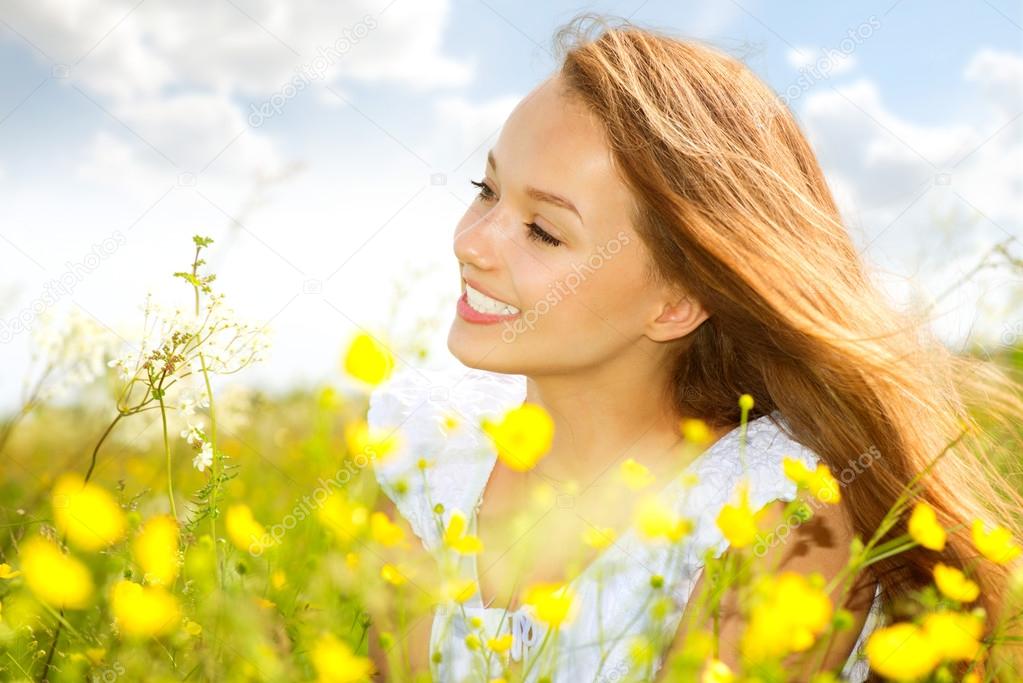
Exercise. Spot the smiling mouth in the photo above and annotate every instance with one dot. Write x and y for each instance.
(481, 303)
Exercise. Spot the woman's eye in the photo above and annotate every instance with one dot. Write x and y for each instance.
(485, 191)
(534, 232)
(538, 233)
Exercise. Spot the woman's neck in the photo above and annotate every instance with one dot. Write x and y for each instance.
(600, 420)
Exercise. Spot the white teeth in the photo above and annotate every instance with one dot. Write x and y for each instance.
(484, 304)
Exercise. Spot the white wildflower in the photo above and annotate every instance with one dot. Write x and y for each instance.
(204, 458)
(193, 434)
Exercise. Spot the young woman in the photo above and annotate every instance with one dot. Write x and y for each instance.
(652, 239)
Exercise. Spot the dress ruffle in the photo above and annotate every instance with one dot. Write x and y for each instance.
(419, 403)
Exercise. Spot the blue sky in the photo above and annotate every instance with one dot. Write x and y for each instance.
(134, 117)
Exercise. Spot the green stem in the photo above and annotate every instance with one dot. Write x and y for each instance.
(167, 452)
(213, 472)
(95, 451)
(536, 656)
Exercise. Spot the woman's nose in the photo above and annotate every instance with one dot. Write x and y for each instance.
(478, 242)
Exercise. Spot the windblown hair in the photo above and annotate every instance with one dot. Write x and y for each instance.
(732, 206)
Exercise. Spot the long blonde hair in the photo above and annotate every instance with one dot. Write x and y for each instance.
(733, 207)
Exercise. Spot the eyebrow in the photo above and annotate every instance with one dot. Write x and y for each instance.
(540, 195)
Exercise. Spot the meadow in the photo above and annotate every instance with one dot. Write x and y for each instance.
(154, 529)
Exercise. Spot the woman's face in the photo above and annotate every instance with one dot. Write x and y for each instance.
(549, 238)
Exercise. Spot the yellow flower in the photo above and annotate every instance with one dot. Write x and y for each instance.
(635, 475)
(641, 651)
(456, 538)
(544, 495)
(522, 437)
(695, 431)
(368, 360)
(996, 545)
(156, 549)
(457, 590)
(924, 527)
(819, 481)
(553, 603)
(739, 523)
(57, 579)
(717, 671)
(392, 575)
(192, 628)
(789, 611)
(143, 611)
(954, 585)
(327, 398)
(384, 531)
(450, 423)
(903, 652)
(6, 572)
(89, 515)
(502, 644)
(345, 519)
(955, 635)
(375, 444)
(278, 579)
(336, 662)
(245, 532)
(598, 537)
(93, 655)
(655, 520)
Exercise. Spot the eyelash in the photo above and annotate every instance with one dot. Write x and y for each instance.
(535, 231)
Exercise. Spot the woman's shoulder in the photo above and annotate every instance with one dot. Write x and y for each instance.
(754, 458)
(756, 454)
(440, 453)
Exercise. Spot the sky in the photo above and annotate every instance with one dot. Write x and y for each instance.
(328, 148)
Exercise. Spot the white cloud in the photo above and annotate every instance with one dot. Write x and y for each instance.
(829, 62)
(247, 47)
(181, 76)
(462, 126)
(905, 187)
(1000, 76)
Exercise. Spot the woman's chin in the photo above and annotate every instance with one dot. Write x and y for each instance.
(473, 348)
(462, 346)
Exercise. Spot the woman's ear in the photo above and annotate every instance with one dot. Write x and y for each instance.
(678, 319)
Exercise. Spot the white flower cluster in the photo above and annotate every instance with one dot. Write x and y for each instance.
(196, 438)
(175, 347)
(68, 352)
(173, 339)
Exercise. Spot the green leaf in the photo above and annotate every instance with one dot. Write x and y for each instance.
(193, 280)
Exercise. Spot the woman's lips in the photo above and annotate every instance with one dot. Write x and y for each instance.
(470, 314)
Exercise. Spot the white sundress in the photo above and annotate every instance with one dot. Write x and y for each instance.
(417, 401)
